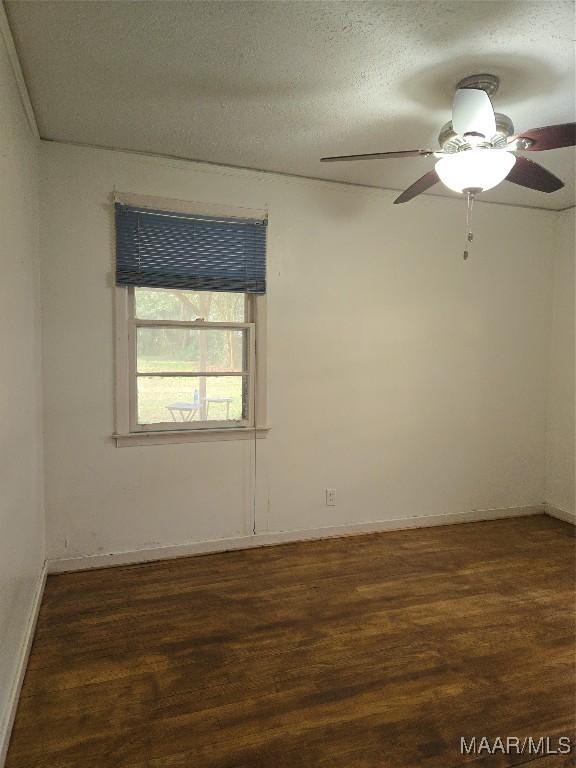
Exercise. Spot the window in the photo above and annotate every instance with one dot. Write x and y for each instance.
(193, 355)
(186, 357)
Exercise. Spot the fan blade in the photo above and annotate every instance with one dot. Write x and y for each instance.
(550, 137)
(472, 112)
(527, 173)
(423, 183)
(380, 155)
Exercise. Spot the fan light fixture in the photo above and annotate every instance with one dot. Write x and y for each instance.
(477, 169)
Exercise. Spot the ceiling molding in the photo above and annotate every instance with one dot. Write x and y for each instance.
(223, 168)
(17, 70)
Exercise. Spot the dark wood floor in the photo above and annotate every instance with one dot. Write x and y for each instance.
(375, 651)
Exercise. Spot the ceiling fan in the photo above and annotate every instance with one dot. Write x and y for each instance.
(478, 145)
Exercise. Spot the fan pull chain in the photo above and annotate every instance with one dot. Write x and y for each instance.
(469, 234)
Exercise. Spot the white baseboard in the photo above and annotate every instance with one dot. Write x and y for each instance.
(281, 537)
(26, 645)
(561, 514)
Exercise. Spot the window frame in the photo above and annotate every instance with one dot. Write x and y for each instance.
(129, 432)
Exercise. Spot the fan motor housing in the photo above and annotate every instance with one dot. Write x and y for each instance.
(450, 141)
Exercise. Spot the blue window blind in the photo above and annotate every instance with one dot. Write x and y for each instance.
(175, 250)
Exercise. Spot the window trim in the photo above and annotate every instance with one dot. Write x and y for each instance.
(128, 432)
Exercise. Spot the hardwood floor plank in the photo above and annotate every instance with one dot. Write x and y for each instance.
(360, 652)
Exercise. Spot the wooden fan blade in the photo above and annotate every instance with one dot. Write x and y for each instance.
(527, 173)
(550, 137)
(380, 155)
(423, 183)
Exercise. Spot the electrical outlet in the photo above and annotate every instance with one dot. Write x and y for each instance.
(330, 497)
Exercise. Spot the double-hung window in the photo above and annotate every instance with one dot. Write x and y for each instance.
(187, 320)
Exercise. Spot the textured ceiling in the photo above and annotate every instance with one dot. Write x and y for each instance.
(276, 85)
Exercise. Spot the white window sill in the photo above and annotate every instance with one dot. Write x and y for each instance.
(189, 436)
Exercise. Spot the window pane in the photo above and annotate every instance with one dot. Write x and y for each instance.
(168, 304)
(190, 399)
(191, 349)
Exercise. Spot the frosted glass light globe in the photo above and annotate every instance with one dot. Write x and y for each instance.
(475, 168)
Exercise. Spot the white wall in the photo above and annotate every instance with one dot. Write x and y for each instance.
(21, 505)
(560, 460)
(411, 381)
